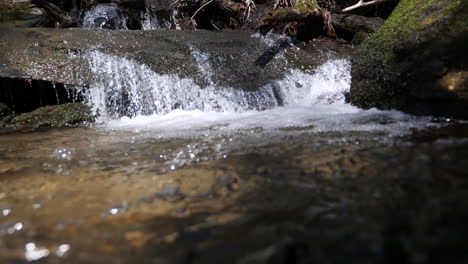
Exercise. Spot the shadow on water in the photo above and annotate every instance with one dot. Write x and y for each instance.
(402, 205)
(298, 200)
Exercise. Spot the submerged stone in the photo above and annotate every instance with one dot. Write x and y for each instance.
(169, 191)
(417, 62)
(55, 116)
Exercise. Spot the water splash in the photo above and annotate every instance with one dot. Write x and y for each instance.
(34, 253)
(130, 95)
(104, 16)
(150, 21)
(124, 87)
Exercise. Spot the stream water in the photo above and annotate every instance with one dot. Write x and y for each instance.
(177, 173)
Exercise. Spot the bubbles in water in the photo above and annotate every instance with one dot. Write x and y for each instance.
(34, 253)
(124, 87)
(16, 227)
(121, 208)
(271, 38)
(62, 250)
(104, 16)
(203, 62)
(175, 107)
(149, 21)
(11, 229)
(62, 154)
(6, 211)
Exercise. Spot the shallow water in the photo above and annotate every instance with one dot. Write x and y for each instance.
(288, 173)
(128, 195)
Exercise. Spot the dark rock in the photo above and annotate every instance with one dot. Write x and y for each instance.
(60, 16)
(355, 27)
(180, 210)
(6, 120)
(4, 111)
(55, 116)
(199, 196)
(227, 182)
(417, 62)
(304, 20)
(10, 11)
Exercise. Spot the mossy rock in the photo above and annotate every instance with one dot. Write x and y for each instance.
(360, 37)
(303, 20)
(13, 11)
(56, 116)
(4, 111)
(356, 28)
(417, 62)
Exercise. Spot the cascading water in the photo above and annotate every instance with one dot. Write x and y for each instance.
(149, 21)
(105, 16)
(128, 94)
(124, 87)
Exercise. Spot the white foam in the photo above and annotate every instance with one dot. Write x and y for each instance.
(170, 106)
(125, 87)
(104, 15)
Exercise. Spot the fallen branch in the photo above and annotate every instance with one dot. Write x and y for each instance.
(201, 7)
(362, 3)
(174, 3)
(56, 13)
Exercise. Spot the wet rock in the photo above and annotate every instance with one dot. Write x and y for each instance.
(227, 182)
(105, 16)
(417, 62)
(170, 191)
(4, 111)
(180, 210)
(304, 20)
(12, 11)
(62, 56)
(59, 16)
(199, 196)
(55, 116)
(356, 28)
(287, 251)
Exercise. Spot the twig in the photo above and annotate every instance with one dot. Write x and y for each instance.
(215, 27)
(175, 2)
(361, 3)
(201, 7)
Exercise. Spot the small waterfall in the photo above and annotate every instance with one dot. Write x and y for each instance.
(124, 87)
(105, 16)
(149, 21)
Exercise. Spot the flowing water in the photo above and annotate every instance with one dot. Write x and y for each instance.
(105, 16)
(110, 16)
(179, 173)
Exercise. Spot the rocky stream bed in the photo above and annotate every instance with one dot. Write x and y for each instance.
(126, 141)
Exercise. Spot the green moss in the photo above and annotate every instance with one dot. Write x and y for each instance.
(360, 37)
(56, 116)
(412, 16)
(306, 5)
(400, 66)
(304, 14)
(13, 11)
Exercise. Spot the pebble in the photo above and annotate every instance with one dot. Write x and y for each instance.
(169, 191)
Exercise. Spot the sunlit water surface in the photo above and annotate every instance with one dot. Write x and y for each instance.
(93, 192)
